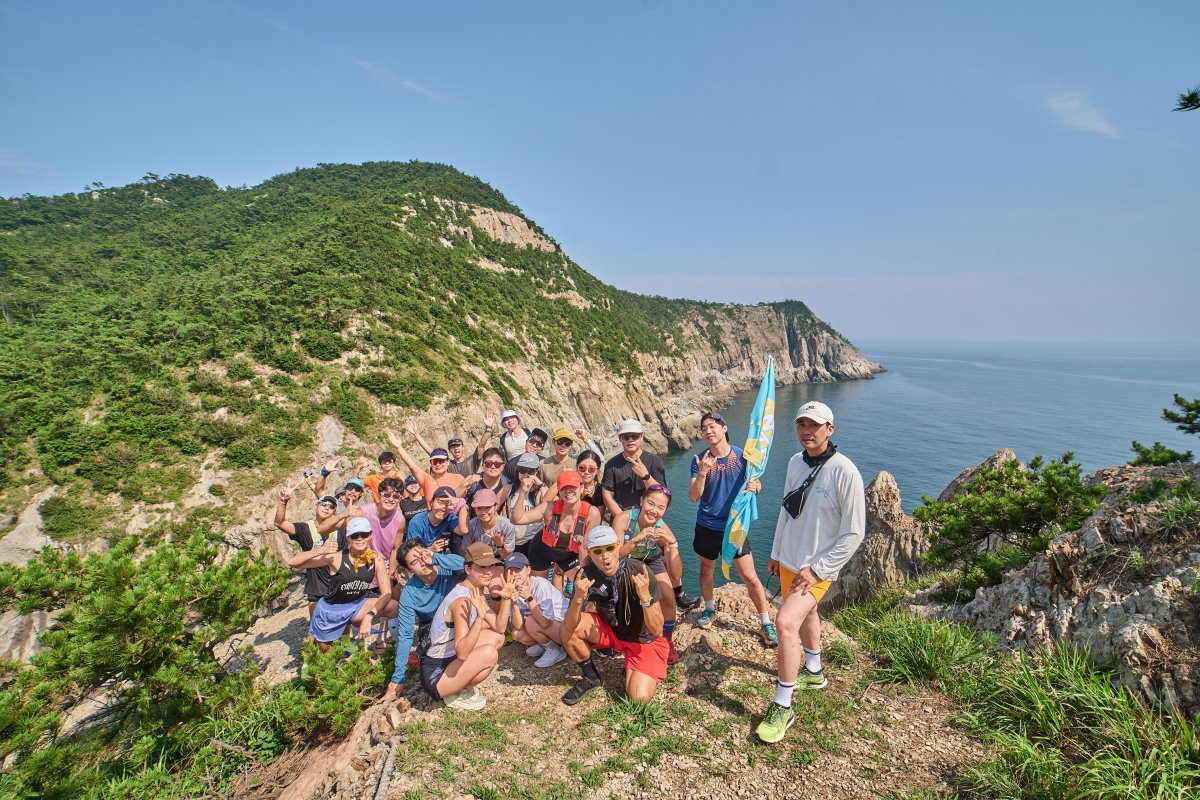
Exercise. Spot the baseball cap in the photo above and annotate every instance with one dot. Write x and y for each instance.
(443, 491)
(480, 555)
(817, 412)
(438, 453)
(507, 413)
(454, 441)
(355, 482)
(411, 479)
(329, 499)
(563, 433)
(516, 561)
(387, 455)
(600, 536)
(569, 477)
(539, 433)
(630, 426)
(358, 525)
(528, 461)
(483, 497)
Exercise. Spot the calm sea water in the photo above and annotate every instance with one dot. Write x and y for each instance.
(943, 407)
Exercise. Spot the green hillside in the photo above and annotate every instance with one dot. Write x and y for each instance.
(130, 315)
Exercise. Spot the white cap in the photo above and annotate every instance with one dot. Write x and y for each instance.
(630, 426)
(817, 412)
(600, 536)
(358, 525)
(507, 413)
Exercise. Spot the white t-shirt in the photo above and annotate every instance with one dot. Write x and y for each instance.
(832, 523)
(550, 600)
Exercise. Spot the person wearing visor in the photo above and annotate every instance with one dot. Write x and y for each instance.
(438, 474)
(305, 534)
(821, 525)
(351, 572)
(615, 605)
(461, 462)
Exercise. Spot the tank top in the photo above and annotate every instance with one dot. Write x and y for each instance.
(566, 540)
(646, 549)
(441, 633)
(524, 532)
(349, 585)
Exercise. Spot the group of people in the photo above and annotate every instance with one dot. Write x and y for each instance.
(568, 551)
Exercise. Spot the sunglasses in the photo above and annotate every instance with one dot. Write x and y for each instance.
(659, 488)
(599, 551)
(493, 464)
(589, 469)
(536, 443)
(526, 471)
(564, 442)
(629, 437)
(438, 460)
(389, 494)
(358, 536)
(330, 506)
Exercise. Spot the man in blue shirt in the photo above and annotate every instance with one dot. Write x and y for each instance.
(433, 576)
(440, 521)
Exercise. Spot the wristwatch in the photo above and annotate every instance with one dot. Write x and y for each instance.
(646, 603)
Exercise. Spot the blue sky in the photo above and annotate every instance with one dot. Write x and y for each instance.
(940, 170)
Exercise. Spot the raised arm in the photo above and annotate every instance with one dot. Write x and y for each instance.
(411, 427)
(339, 519)
(406, 457)
(489, 427)
(652, 615)
(285, 494)
(323, 556)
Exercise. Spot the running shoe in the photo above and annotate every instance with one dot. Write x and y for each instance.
(707, 617)
(769, 636)
(467, 700)
(672, 654)
(533, 651)
(554, 654)
(811, 680)
(581, 687)
(605, 652)
(686, 602)
(775, 724)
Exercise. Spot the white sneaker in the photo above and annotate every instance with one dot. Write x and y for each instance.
(554, 654)
(466, 700)
(533, 651)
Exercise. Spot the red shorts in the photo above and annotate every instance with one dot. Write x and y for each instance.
(648, 659)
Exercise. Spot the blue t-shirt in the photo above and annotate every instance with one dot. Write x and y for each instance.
(426, 532)
(418, 603)
(721, 485)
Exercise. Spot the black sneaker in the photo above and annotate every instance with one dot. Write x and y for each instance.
(576, 692)
(605, 652)
(686, 602)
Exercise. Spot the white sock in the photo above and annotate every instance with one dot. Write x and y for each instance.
(764, 617)
(710, 605)
(783, 693)
(812, 660)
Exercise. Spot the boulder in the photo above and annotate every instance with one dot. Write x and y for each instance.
(26, 539)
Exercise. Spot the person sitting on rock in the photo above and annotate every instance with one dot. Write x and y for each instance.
(615, 605)
(466, 635)
(489, 527)
(538, 612)
(433, 575)
(351, 571)
(565, 522)
(305, 534)
(648, 539)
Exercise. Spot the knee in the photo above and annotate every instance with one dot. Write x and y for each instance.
(788, 622)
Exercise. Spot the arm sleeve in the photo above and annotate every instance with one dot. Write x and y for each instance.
(853, 504)
(406, 620)
(595, 448)
(781, 525)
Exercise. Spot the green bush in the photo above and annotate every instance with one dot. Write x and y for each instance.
(1157, 455)
(66, 517)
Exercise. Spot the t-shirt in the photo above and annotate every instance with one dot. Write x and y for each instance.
(430, 484)
(411, 507)
(383, 534)
(423, 529)
(721, 485)
(617, 602)
(373, 480)
(467, 467)
(547, 597)
(418, 602)
(627, 488)
(476, 533)
(550, 470)
(316, 579)
(469, 497)
(513, 444)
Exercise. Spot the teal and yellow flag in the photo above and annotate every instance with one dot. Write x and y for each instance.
(758, 448)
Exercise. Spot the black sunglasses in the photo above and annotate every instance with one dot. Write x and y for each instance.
(358, 536)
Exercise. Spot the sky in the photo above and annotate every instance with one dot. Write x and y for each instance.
(933, 170)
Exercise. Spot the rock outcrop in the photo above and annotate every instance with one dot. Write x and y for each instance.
(993, 462)
(891, 552)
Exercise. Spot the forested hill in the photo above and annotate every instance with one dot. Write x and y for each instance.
(147, 324)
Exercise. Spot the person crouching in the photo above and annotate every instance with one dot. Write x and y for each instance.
(624, 615)
(538, 612)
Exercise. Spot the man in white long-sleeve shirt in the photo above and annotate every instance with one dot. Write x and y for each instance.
(821, 524)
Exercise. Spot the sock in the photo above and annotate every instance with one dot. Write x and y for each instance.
(783, 693)
(812, 660)
(764, 617)
(679, 590)
(668, 628)
(589, 670)
(710, 605)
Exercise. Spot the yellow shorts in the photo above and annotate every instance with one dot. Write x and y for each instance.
(786, 576)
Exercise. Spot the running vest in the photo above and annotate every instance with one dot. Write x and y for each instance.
(441, 633)
(349, 585)
(566, 540)
(646, 549)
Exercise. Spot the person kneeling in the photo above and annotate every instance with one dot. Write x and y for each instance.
(625, 616)
(466, 635)
(538, 611)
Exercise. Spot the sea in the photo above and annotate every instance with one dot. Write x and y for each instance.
(942, 407)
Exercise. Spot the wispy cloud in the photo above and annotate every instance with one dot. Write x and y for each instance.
(1072, 108)
(10, 159)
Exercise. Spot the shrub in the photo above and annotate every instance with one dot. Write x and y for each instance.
(1157, 455)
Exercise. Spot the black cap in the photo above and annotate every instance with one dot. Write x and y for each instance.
(387, 455)
(454, 441)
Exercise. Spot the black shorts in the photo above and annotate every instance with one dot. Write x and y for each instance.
(431, 672)
(707, 544)
(656, 565)
(542, 556)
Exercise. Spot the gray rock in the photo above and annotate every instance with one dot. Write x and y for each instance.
(26, 540)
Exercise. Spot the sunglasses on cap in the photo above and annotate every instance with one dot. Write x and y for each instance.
(599, 551)
(658, 487)
(359, 535)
